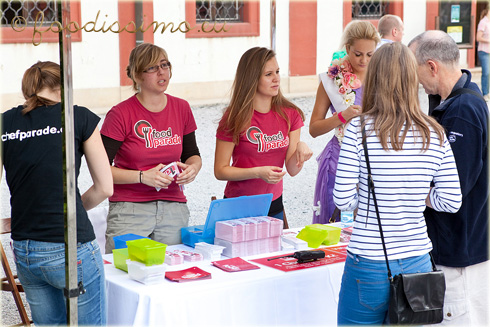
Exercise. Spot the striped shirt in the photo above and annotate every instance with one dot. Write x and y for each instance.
(402, 180)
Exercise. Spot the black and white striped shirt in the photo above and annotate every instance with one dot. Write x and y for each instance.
(402, 180)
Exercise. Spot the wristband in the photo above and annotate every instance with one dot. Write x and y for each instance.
(141, 177)
(342, 119)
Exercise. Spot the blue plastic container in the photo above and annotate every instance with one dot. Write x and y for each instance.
(226, 209)
(120, 241)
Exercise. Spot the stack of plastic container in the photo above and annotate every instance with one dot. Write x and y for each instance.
(145, 263)
(249, 236)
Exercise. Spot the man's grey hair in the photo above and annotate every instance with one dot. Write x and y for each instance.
(437, 46)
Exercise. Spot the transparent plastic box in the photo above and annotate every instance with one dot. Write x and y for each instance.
(147, 251)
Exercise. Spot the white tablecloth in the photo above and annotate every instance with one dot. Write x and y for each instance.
(261, 297)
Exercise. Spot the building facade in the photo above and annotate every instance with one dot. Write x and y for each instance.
(204, 40)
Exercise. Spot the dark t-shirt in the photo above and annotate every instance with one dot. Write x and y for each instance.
(32, 156)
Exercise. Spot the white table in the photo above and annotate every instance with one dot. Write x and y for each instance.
(261, 297)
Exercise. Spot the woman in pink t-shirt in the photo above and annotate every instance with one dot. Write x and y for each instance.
(483, 39)
(142, 135)
(259, 132)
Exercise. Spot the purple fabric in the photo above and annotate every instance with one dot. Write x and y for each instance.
(323, 205)
(325, 182)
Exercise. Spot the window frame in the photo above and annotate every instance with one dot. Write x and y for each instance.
(249, 27)
(9, 36)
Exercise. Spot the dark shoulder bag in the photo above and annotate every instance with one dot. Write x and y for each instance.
(415, 299)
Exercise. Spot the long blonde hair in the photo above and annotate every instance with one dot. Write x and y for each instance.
(359, 30)
(390, 98)
(240, 110)
(41, 75)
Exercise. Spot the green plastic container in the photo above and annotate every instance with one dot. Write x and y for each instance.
(147, 251)
(120, 256)
(318, 234)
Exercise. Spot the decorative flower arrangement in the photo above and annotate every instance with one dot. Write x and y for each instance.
(341, 72)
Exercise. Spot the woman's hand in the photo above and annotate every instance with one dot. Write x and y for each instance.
(270, 174)
(188, 174)
(351, 112)
(154, 177)
(303, 153)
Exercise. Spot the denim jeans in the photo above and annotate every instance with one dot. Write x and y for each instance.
(41, 270)
(365, 289)
(484, 61)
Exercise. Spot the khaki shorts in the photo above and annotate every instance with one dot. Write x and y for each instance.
(159, 220)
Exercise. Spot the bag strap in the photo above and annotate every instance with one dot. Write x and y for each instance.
(371, 189)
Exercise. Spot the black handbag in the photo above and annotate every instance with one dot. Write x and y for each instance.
(414, 298)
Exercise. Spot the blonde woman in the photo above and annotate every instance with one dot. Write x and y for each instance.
(340, 90)
(142, 135)
(408, 151)
(259, 132)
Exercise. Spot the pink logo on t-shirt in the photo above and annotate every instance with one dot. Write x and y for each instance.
(266, 142)
(154, 138)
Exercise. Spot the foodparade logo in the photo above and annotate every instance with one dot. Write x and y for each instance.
(266, 142)
(154, 138)
(19, 24)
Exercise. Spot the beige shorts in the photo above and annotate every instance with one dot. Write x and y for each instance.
(159, 220)
(466, 300)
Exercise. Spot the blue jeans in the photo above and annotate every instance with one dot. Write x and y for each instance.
(365, 290)
(41, 270)
(484, 61)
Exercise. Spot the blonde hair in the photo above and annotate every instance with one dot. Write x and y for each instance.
(143, 56)
(359, 30)
(390, 98)
(240, 110)
(41, 75)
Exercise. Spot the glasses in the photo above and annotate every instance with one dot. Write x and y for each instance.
(154, 69)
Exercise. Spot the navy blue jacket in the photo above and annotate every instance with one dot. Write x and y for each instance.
(461, 239)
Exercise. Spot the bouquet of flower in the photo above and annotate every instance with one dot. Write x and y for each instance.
(341, 72)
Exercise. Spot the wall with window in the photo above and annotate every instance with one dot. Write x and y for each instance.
(203, 63)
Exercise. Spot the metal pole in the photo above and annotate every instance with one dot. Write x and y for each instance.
(273, 25)
(138, 17)
(72, 289)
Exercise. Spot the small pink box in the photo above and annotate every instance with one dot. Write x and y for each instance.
(172, 258)
(231, 230)
(190, 256)
(276, 226)
(263, 226)
(250, 229)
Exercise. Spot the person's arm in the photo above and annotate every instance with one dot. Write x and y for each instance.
(190, 169)
(100, 171)
(480, 38)
(345, 192)
(298, 152)
(224, 172)
(446, 195)
(191, 159)
(320, 125)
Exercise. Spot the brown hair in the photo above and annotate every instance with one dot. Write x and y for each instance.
(143, 56)
(41, 75)
(240, 110)
(391, 98)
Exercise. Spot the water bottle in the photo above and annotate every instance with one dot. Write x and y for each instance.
(346, 219)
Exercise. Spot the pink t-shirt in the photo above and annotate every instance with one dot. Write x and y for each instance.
(264, 143)
(484, 25)
(149, 138)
